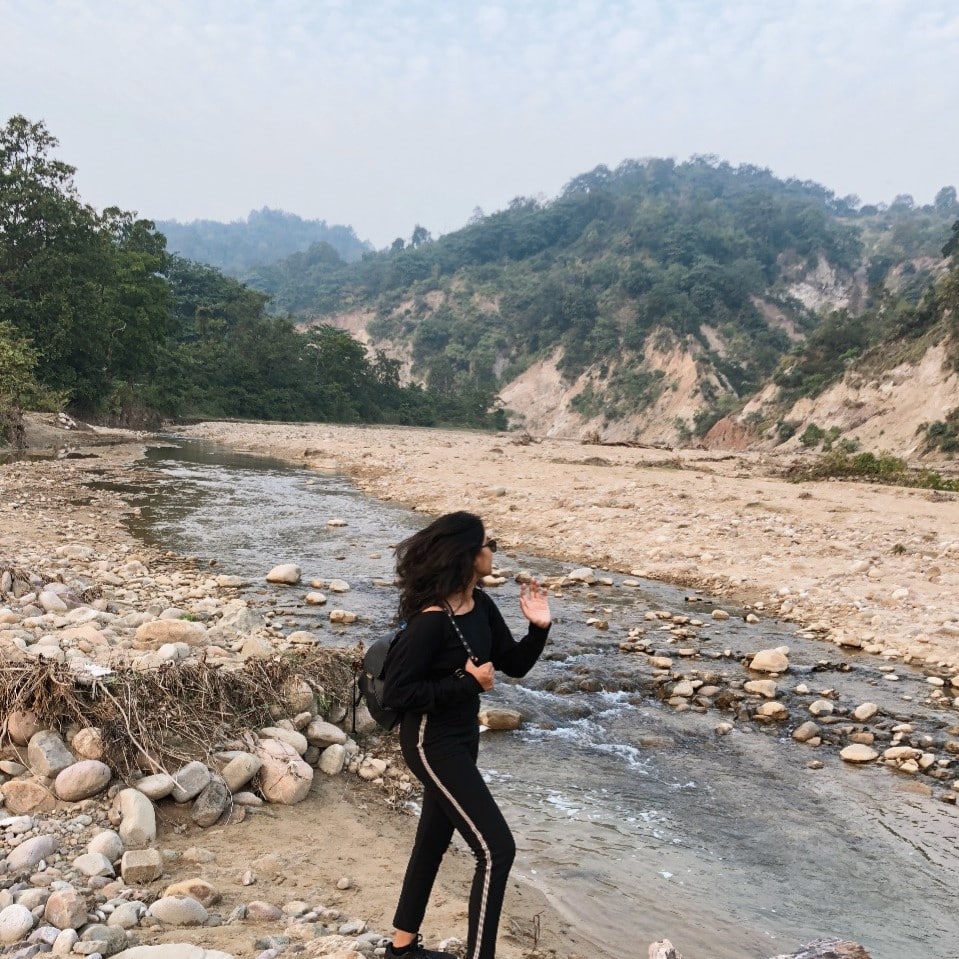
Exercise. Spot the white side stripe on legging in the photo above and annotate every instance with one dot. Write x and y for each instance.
(472, 825)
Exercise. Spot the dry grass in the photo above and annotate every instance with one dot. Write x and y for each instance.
(161, 718)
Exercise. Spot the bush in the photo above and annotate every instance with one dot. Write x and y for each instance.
(812, 436)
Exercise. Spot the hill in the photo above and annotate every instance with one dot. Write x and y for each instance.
(644, 303)
(264, 236)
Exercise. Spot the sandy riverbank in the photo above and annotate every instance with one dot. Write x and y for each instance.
(856, 564)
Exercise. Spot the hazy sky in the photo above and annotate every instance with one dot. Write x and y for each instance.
(383, 114)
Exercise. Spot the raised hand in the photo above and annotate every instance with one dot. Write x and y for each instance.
(534, 603)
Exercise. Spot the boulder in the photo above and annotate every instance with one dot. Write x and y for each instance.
(138, 824)
(65, 909)
(15, 922)
(332, 760)
(93, 864)
(288, 573)
(88, 743)
(240, 770)
(83, 779)
(858, 753)
(178, 911)
(22, 726)
(284, 777)
(198, 889)
(156, 787)
(26, 856)
(141, 865)
(321, 733)
(160, 631)
(505, 718)
(190, 780)
(771, 660)
(212, 802)
(107, 843)
(47, 754)
(27, 796)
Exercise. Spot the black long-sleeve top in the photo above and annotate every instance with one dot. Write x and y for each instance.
(424, 672)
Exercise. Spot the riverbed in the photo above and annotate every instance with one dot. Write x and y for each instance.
(637, 820)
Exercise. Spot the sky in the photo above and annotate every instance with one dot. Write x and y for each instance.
(382, 115)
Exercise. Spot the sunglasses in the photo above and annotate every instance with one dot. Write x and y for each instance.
(490, 544)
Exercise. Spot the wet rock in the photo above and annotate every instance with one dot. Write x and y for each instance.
(286, 573)
(315, 599)
(806, 732)
(501, 719)
(761, 687)
(338, 586)
(771, 660)
(865, 711)
(719, 614)
(858, 753)
(771, 712)
(343, 616)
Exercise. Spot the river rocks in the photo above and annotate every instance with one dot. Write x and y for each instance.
(108, 844)
(29, 853)
(212, 802)
(178, 911)
(761, 687)
(321, 733)
(865, 711)
(22, 726)
(87, 744)
(315, 599)
(163, 631)
(719, 614)
(772, 712)
(807, 732)
(93, 864)
(332, 760)
(338, 586)
(240, 770)
(771, 660)
(82, 780)
(15, 922)
(47, 754)
(65, 909)
(260, 911)
(141, 865)
(284, 776)
(501, 719)
(198, 889)
(821, 707)
(285, 573)
(27, 796)
(157, 786)
(290, 736)
(172, 950)
(342, 616)
(189, 781)
(138, 827)
(858, 753)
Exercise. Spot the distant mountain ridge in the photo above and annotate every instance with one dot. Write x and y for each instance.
(645, 303)
(264, 237)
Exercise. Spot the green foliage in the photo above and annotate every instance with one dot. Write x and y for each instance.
(94, 313)
(943, 435)
(881, 468)
(812, 435)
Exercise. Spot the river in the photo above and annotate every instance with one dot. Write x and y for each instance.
(637, 820)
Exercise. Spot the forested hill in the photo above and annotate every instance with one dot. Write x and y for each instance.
(643, 302)
(264, 236)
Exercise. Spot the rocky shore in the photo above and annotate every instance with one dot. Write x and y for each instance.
(141, 855)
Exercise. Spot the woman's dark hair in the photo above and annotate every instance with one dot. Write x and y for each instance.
(437, 561)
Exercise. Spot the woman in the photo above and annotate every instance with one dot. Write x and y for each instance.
(454, 640)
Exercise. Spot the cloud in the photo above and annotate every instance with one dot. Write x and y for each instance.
(386, 113)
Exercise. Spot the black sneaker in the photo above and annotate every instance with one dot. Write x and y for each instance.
(416, 951)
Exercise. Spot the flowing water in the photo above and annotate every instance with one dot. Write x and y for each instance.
(637, 821)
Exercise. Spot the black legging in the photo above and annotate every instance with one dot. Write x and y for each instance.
(454, 797)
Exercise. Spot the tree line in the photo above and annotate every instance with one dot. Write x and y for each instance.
(96, 316)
